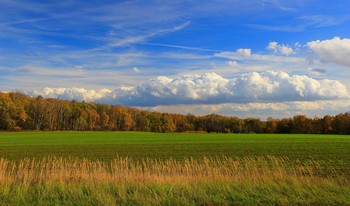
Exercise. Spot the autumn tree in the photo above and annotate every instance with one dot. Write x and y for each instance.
(271, 125)
(302, 125)
(119, 119)
(7, 112)
(253, 125)
(37, 113)
(181, 123)
(284, 126)
(341, 123)
(327, 124)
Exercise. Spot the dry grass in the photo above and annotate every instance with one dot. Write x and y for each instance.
(256, 169)
(208, 181)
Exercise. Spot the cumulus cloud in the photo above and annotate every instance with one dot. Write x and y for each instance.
(232, 63)
(211, 88)
(273, 46)
(334, 50)
(78, 94)
(244, 52)
(283, 49)
(136, 70)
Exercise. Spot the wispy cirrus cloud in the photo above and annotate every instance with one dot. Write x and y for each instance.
(182, 47)
(246, 54)
(121, 42)
(320, 21)
(302, 23)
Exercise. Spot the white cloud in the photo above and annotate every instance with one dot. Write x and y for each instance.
(136, 70)
(297, 45)
(232, 63)
(283, 49)
(261, 109)
(210, 88)
(273, 46)
(286, 50)
(244, 52)
(74, 93)
(335, 50)
(317, 71)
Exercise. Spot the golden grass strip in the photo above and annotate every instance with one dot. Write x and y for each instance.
(257, 169)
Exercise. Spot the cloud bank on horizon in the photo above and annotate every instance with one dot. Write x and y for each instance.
(209, 88)
(268, 57)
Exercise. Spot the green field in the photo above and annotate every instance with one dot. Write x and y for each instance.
(136, 168)
(137, 145)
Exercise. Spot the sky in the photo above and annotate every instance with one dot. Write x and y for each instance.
(266, 58)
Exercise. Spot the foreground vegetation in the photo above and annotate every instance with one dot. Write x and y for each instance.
(21, 112)
(140, 168)
(208, 181)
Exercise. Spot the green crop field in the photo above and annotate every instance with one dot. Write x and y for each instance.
(137, 168)
(137, 145)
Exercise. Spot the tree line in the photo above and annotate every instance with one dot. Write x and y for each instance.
(22, 112)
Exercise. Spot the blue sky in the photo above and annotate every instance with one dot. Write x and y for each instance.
(244, 58)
